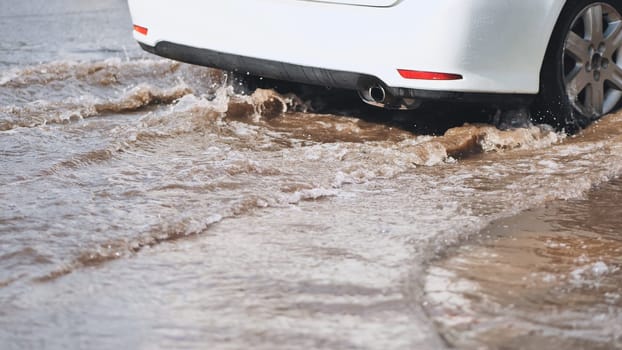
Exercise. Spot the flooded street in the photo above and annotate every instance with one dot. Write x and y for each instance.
(548, 277)
(148, 204)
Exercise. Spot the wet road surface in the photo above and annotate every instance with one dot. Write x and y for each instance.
(150, 204)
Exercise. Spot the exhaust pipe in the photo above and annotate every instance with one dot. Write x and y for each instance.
(377, 94)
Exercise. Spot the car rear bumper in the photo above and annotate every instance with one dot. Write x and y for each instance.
(342, 45)
(259, 67)
(316, 76)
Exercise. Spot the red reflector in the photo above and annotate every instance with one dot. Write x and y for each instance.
(141, 30)
(413, 74)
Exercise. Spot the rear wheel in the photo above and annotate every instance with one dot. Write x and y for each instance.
(581, 77)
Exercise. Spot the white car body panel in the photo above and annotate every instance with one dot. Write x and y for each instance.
(496, 45)
(377, 3)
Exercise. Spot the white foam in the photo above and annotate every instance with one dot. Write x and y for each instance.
(589, 272)
(310, 194)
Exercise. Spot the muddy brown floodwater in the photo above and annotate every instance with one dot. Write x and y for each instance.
(148, 204)
(548, 278)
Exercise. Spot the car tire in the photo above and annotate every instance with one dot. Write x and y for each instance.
(581, 76)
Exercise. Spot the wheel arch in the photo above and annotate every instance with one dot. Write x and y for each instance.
(559, 13)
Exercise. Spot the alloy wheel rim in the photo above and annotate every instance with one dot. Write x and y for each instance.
(591, 66)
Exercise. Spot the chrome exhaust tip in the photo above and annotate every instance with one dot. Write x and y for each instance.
(377, 94)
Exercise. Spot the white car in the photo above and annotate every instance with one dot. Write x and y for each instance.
(559, 56)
